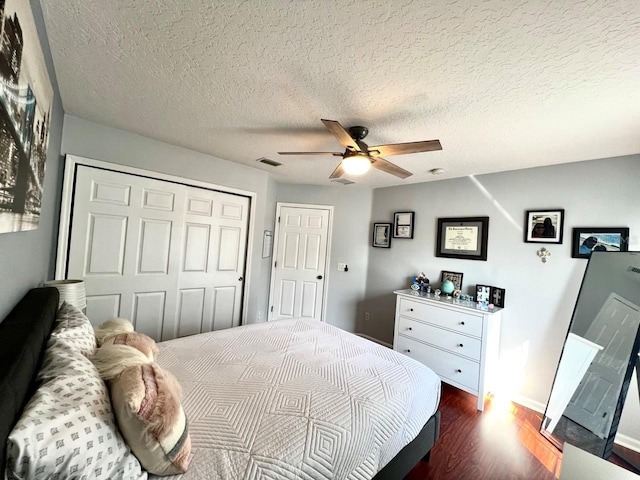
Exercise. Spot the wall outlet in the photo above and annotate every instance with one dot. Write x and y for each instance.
(366, 316)
(342, 267)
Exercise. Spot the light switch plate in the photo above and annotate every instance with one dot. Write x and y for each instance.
(341, 267)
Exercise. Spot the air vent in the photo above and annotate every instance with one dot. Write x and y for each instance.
(634, 270)
(268, 161)
(343, 181)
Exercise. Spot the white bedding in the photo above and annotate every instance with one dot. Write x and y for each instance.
(296, 399)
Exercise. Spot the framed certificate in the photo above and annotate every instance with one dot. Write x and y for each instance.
(403, 224)
(465, 238)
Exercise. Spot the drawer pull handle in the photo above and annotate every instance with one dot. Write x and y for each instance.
(409, 328)
(411, 309)
(461, 323)
(459, 371)
(460, 345)
(408, 351)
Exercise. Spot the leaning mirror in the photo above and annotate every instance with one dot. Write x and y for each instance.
(598, 357)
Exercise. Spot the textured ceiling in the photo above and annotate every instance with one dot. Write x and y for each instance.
(504, 84)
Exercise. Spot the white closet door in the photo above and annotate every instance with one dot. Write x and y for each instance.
(150, 250)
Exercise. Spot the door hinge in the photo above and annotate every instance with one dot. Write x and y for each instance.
(271, 308)
(275, 264)
(278, 219)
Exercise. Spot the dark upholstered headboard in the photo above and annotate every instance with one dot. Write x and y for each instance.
(23, 337)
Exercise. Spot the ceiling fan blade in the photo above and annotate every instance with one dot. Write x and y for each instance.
(403, 148)
(341, 134)
(338, 172)
(388, 167)
(335, 154)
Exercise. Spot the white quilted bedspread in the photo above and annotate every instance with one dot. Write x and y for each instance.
(296, 399)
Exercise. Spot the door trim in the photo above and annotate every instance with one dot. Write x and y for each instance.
(327, 263)
(66, 204)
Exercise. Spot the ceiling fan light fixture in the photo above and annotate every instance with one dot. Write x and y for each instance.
(356, 164)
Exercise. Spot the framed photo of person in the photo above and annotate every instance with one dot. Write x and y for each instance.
(382, 235)
(403, 224)
(544, 226)
(465, 238)
(591, 239)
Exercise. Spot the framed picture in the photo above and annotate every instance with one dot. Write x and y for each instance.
(382, 235)
(544, 226)
(607, 239)
(496, 296)
(465, 238)
(403, 224)
(483, 293)
(455, 277)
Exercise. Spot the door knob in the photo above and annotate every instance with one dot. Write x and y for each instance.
(319, 277)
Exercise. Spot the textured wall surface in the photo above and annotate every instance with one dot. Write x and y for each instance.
(502, 84)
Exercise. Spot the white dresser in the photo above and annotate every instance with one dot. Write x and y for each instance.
(457, 340)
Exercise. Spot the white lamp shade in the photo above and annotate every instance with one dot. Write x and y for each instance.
(71, 291)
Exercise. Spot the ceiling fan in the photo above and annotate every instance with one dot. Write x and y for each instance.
(358, 157)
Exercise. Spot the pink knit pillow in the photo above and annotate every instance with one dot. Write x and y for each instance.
(146, 403)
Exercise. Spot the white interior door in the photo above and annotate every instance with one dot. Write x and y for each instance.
(167, 256)
(298, 279)
(615, 328)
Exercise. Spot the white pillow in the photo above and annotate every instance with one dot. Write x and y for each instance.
(67, 429)
(72, 327)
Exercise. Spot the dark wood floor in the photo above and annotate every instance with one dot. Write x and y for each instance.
(500, 443)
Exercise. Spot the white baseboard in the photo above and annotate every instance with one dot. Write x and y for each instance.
(375, 340)
(621, 439)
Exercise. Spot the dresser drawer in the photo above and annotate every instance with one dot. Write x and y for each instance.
(447, 365)
(454, 342)
(443, 317)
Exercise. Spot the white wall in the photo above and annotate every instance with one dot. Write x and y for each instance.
(349, 244)
(539, 297)
(91, 140)
(28, 258)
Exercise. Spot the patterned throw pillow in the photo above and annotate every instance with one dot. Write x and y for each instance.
(67, 429)
(146, 402)
(74, 329)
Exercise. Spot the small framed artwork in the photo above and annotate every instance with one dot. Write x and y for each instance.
(465, 238)
(403, 224)
(455, 277)
(544, 226)
(382, 235)
(483, 293)
(497, 296)
(599, 239)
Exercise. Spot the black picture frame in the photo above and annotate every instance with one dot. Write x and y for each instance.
(455, 277)
(381, 235)
(483, 293)
(403, 224)
(609, 239)
(496, 296)
(544, 226)
(465, 238)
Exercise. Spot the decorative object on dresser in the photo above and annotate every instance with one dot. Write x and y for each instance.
(382, 235)
(483, 293)
(403, 224)
(497, 295)
(455, 277)
(544, 226)
(464, 238)
(599, 239)
(459, 342)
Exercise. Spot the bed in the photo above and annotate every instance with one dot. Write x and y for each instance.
(288, 399)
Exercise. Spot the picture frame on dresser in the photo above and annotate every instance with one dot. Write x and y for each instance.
(465, 238)
(455, 277)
